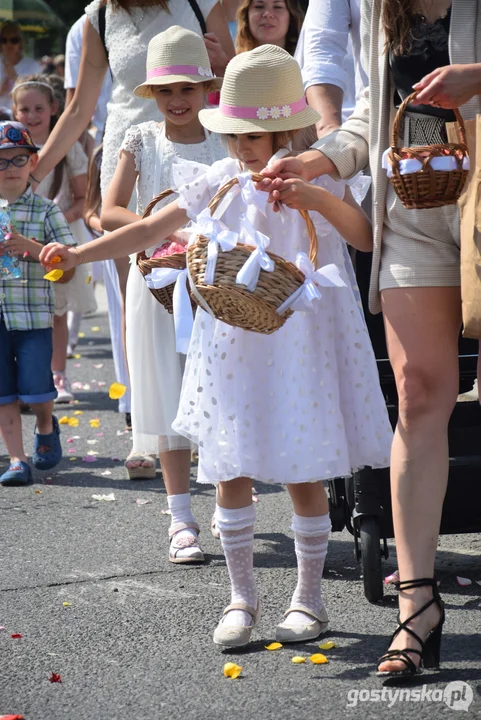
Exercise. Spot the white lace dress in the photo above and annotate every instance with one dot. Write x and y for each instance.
(155, 367)
(300, 405)
(127, 35)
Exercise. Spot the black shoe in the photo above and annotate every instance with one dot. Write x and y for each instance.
(430, 647)
(128, 421)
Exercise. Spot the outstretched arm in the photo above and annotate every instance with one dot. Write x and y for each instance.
(130, 239)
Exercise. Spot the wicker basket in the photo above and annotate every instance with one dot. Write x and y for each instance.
(176, 261)
(234, 304)
(427, 188)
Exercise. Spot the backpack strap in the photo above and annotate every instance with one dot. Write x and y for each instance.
(198, 14)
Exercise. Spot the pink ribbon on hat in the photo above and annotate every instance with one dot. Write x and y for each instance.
(179, 70)
(263, 113)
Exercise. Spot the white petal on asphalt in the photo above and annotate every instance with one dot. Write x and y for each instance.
(464, 582)
(165, 512)
(104, 498)
(106, 472)
(140, 501)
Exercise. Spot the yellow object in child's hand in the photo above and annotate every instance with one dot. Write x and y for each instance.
(53, 275)
(56, 259)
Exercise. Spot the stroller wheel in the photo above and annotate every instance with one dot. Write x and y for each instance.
(371, 558)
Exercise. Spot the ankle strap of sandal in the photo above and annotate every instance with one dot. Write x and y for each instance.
(412, 584)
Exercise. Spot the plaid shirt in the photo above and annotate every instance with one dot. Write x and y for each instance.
(28, 303)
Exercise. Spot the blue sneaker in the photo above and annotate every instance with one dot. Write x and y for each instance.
(19, 473)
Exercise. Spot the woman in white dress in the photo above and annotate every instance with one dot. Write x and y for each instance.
(129, 27)
(145, 160)
(295, 407)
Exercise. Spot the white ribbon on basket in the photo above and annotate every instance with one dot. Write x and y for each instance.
(219, 236)
(246, 188)
(182, 307)
(304, 297)
(258, 260)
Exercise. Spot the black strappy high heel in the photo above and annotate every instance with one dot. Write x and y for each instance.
(430, 647)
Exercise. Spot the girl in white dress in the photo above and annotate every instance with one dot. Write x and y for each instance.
(298, 406)
(174, 59)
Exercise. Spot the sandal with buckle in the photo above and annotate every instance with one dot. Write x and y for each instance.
(19, 473)
(141, 472)
(429, 655)
(47, 450)
(191, 541)
(236, 635)
(299, 633)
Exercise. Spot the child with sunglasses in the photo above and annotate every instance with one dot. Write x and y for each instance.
(26, 310)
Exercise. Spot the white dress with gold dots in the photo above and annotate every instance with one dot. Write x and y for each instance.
(300, 405)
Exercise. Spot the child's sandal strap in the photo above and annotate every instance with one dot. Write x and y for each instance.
(241, 606)
(183, 526)
(306, 611)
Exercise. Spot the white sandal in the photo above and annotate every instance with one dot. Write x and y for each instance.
(191, 542)
(141, 472)
(236, 635)
(300, 633)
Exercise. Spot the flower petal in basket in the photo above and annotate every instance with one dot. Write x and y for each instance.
(259, 260)
(303, 297)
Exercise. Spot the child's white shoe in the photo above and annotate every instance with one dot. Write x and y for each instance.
(231, 635)
(291, 630)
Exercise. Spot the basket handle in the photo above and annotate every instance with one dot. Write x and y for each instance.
(256, 177)
(148, 210)
(399, 116)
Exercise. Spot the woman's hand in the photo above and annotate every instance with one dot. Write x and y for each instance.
(55, 256)
(297, 194)
(218, 58)
(449, 87)
(307, 166)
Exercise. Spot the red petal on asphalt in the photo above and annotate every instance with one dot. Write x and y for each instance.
(12, 717)
(16, 635)
(89, 458)
(54, 677)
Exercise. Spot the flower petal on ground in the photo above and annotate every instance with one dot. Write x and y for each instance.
(73, 422)
(95, 423)
(464, 582)
(273, 646)
(98, 366)
(67, 604)
(63, 420)
(16, 635)
(327, 645)
(141, 501)
(116, 391)
(106, 472)
(78, 412)
(231, 670)
(318, 659)
(105, 498)
(55, 678)
(298, 659)
(89, 458)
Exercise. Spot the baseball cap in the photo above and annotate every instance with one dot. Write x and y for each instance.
(15, 135)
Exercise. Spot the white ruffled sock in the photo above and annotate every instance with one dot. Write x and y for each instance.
(311, 538)
(180, 507)
(236, 529)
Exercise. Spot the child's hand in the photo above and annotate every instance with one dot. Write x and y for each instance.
(297, 194)
(55, 256)
(17, 244)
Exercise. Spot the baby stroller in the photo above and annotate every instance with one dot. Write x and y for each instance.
(362, 503)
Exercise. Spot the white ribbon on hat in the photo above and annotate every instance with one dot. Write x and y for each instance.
(182, 307)
(304, 296)
(258, 260)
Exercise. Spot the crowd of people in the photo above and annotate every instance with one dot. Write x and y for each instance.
(185, 95)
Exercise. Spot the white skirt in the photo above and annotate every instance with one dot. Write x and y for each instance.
(155, 368)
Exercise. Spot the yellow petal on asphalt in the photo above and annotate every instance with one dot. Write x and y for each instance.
(327, 645)
(72, 459)
(95, 328)
(53, 275)
(232, 670)
(73, 422)
(273, 646)
(77, 356)
(298, 659)
(81, 334)
(318, 659)
(95, 423)
(78, 412)
(67, 604)
(63, 420)
(116, 391)
(37, 492)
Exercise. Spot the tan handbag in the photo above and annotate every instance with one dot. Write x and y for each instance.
(470, 212)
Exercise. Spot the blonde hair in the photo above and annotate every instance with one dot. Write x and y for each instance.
(280, 139)
(244, 39)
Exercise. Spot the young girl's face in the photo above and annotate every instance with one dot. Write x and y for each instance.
(181, 102)
(254, 150)
(35, 111)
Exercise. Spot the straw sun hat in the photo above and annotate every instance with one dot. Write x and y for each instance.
(262, 91)
(176, 55)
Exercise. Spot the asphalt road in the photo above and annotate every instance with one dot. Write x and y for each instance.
(88, 586)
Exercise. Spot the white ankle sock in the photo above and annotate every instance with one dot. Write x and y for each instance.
(181, 512)
(236, 529)
(311, 537)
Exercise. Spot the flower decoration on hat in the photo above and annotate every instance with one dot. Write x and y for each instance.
(275, 112)
(205, 72)
(263, 113)
(286, 111)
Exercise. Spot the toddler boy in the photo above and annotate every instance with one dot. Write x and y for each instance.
(27, 309)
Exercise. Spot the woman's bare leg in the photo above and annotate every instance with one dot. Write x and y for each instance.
(422, 328)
